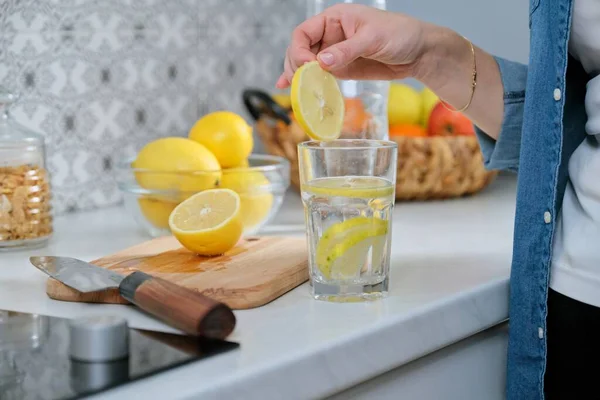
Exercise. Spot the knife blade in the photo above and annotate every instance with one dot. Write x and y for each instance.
(182, 308)
(79, 275)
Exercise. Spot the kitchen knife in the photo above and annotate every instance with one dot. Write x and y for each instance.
(179, 307)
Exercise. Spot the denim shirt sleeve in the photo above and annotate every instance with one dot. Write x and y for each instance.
(503, 154)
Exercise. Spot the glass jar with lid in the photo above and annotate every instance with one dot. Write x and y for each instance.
(25, 210)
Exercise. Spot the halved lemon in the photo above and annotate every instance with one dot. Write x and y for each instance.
(317, 102)
(208, 223)
(344, 248)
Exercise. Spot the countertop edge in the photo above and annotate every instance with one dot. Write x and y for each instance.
(310, 375)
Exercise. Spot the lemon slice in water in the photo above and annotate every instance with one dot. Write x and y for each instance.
(317, 102)
(344, 247)
(368, 187)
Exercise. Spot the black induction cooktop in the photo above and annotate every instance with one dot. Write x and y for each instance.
(35, 361)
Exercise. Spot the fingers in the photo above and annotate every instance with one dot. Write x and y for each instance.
(282, 82)
(323, 35)
(303, 47)
(287, 67)
(310, 32)
(334, 33)
(365, 69)
(292, 62)
(341, 54)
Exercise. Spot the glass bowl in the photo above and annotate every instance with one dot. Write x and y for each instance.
(261, 186)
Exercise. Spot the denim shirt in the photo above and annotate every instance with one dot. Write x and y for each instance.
(544, 122)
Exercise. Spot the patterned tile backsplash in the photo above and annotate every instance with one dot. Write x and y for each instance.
(101, 78)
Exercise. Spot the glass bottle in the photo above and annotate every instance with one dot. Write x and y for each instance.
(25, 210)
(366, 101)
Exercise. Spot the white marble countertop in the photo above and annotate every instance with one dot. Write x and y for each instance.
(449, 280)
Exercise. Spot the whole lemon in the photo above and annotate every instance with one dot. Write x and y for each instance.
(160, 158)
(244, 164)
(429, 100)
(253, 188)
(226, 135)
(404, 105)
(156, 211)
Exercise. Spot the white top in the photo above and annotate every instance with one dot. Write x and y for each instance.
(576, 256)
(449, 280)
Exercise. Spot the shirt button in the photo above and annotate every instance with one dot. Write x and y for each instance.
(557, 94)
(540, 333)
(547, 217)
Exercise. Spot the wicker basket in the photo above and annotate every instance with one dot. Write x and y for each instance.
(428, 167)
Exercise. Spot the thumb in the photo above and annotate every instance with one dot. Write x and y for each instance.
(343, 53)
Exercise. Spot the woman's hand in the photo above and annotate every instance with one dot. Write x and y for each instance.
(357, 42)
(361, 43)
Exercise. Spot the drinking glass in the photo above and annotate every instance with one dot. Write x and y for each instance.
(348, 192)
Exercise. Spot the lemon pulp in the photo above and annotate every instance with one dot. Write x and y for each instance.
(317, 102)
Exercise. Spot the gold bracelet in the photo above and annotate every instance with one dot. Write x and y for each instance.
(473, 81)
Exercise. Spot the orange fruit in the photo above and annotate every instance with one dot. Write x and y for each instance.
(356, 118)
(412, 130)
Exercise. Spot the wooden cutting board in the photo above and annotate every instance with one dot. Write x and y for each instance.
(255, 272)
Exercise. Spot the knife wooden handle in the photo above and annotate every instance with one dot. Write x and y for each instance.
(179, 307)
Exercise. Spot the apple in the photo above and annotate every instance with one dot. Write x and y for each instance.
(447, 122)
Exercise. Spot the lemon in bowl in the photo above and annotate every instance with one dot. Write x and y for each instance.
(226, 134)
(171, 163)
(261, 181)
(156, 210)
(256, 199)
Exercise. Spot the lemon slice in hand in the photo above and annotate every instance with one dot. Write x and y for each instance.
(343, 248)
(317, 102)
(208, 223)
